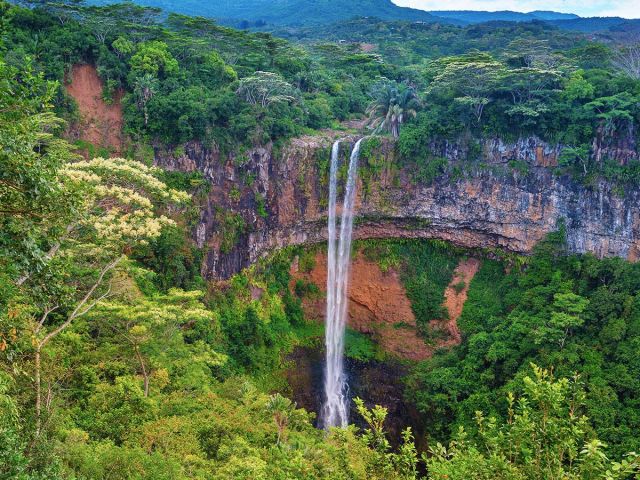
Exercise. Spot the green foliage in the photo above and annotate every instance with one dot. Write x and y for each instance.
(175, 260)
(307, 260)
(507, 80)
(360, 347)
(178, 88)
(546, 436)
(149, 373)
(392, 104)
(426, 268)
(153, 58)
(575, 314)
(383, 463)
(33, 201)
(306, 289)
(261, 208)
(232, 227)
(13, 463)
(113, 410)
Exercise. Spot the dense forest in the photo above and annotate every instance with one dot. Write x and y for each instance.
(118, 360)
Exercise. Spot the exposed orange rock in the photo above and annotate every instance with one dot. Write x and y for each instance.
(379, 307)
(101, 123)
(455, 298)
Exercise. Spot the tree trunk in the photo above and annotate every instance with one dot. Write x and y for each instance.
(38, 391)
(145, 374)
(395, 129)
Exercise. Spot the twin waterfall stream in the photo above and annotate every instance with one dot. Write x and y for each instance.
(335, 411)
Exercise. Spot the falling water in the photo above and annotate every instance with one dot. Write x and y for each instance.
(335, 410)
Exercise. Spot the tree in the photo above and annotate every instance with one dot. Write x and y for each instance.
(109, 20)
(531, 53)
(546, 436)
(576, 87)
(614, 111)
(531, 90)
(627, 60)
(153, 58)
(572, 155)
(123, 47)
(33, 201)
(392, 104)
(117, 213)
(265, 89)
(281, 408)
(153, 327)
(566, 316)
(470, 79)
(145, 88)
(381, 462)
(64, 10)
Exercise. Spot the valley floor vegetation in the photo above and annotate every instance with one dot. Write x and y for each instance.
(119, 361)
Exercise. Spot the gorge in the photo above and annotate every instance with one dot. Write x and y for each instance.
(367, 250)
(497, 194)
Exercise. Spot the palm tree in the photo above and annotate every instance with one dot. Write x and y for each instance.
(281, 408)
(392, 105)
(145, 88)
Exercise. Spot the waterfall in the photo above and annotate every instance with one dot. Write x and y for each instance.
(335, 411)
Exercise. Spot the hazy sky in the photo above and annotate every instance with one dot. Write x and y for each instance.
(585, 8)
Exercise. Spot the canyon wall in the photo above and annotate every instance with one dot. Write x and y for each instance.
(503, 195)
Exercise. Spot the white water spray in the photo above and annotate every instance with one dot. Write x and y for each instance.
(335, 411)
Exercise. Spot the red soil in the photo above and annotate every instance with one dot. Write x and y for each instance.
(454, 300)
(101, 123)
(379, 307)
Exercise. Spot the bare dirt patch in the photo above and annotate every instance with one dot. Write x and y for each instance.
(100, 122)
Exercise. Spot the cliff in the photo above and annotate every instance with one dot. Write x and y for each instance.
(508, 197)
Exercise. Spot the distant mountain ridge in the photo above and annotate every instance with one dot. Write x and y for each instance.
(288, 12)
(296, 13)
(476, 16)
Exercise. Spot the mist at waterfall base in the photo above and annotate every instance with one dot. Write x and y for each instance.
(335, 410)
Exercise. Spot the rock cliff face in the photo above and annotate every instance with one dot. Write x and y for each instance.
(507, 197)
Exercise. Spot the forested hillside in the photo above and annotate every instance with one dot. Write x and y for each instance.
(122, 356)
(292, 14)
(289, 12)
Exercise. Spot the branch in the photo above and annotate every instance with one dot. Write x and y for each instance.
(50, 254)
(46, 313)
(79, 311)
(94, 303)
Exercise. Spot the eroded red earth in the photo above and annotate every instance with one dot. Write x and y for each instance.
(379, 307)
(100, 122)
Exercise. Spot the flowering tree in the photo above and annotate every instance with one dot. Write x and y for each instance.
(119, 209)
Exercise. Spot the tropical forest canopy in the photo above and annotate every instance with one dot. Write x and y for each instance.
(119, 361)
